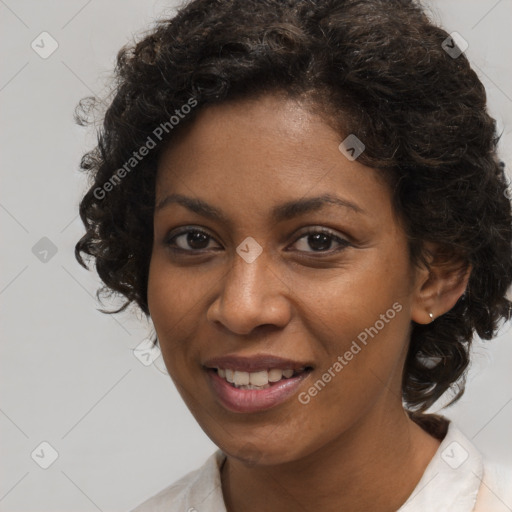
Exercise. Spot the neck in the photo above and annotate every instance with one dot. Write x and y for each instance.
(375, 465)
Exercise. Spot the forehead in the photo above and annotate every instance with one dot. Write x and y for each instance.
(258, 153)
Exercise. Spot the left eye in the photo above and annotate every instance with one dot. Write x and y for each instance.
(320, 241)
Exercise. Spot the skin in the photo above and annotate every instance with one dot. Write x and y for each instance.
(352, 447)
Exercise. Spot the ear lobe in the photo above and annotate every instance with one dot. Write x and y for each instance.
(440, 285)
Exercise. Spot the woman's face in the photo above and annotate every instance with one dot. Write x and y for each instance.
(237, 272)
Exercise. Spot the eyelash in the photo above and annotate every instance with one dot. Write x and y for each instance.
(170, 241)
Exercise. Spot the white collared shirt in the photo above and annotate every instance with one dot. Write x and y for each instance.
(457, 479)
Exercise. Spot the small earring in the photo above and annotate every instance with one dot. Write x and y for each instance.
(431, 315)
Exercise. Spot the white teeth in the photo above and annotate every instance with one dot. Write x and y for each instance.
(259, 378)
(255, 380)
(275, 374)
(241, 378)
(251, 386)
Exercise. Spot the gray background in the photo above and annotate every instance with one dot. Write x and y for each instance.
(69, 375)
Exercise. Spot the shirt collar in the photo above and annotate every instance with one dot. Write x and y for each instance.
(449, 483)
(451, 480)
(205, 492)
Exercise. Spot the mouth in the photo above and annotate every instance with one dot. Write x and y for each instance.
(262, 379)
(254, 384)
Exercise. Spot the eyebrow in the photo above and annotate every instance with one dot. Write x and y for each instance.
(279, 213)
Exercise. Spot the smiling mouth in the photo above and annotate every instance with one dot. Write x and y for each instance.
(262, 379)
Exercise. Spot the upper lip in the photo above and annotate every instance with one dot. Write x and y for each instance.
(254, 363)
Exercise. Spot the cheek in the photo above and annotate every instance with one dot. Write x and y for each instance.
(354, 299)
(172, 294)
(176, 301)
(362, 316)
(365, 340)
(162, 296)
(167, 302)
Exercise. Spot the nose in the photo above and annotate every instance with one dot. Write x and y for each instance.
(251, 295)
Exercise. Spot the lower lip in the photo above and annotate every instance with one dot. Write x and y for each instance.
(254, 400)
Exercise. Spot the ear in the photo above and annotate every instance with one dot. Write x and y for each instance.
(438, 287)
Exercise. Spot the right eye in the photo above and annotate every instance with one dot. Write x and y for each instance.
(189, 240)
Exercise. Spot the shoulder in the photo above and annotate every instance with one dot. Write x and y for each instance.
(198, 488)
(495, 492)
(459, 479)
(173, 495)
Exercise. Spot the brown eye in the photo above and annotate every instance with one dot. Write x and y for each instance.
(189, 240)
(320, 240)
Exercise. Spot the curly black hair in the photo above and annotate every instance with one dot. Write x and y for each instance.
(379, 69)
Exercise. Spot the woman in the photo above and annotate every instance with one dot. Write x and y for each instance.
(305, 197)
